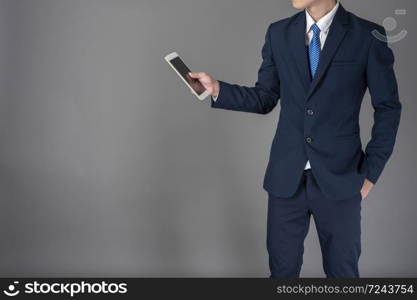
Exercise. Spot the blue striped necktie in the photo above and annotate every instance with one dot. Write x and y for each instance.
(314, 49)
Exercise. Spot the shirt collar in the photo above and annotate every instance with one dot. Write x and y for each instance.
(324, 22)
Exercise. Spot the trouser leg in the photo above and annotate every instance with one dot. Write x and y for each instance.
(287, 226)
(338, 224)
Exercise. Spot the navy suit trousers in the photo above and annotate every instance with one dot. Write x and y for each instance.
(338, 224)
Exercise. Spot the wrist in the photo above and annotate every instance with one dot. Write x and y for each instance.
(216, 88)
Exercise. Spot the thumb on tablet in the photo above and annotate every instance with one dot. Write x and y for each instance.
(194, 74)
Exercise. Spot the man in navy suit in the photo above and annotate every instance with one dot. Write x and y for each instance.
(319, 63)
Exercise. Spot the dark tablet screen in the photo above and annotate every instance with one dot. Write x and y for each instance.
(183, 70)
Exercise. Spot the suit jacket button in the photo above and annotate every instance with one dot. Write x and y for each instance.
(309, 140)
(310, 112)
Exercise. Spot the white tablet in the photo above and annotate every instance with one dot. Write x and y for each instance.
(182, 70)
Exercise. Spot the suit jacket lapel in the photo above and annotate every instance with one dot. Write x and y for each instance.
(337, 32)
(297, 47)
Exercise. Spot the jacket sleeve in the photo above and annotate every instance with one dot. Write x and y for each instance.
(263, 97)
(382, 85)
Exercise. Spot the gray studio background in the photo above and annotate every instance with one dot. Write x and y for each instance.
(110, 167)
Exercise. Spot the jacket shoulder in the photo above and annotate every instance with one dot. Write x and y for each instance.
(366, 26)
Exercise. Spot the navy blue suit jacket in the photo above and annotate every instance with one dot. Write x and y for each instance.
(319, 118)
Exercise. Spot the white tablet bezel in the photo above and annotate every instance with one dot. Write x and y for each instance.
(168, 59)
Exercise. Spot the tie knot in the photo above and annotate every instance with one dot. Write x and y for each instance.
(315, 28)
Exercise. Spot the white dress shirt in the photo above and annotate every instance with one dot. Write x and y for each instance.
(324, 25)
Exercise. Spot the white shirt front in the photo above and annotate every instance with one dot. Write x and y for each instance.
(324, 25)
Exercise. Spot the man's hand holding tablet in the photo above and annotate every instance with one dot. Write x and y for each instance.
(210, 84)
(200, 84)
